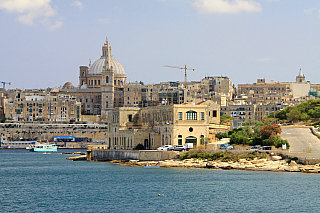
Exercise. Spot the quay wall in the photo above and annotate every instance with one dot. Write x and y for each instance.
(102, 153)
(108, 155)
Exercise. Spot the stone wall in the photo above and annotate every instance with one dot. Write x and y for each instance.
(147, 155)
(101, 153)
(108, 155)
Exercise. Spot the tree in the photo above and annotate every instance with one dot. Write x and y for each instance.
(305, 116)
(270, 129)
(294, 115)
(316, 112)
(225, 118)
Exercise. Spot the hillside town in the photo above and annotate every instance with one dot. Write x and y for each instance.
(174, 112)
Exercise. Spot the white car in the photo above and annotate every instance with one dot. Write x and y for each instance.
(165, 148)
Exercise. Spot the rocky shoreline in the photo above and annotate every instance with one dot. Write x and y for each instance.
(274, 164)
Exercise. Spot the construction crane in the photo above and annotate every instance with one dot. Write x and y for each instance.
(185, 72)
(4, 84)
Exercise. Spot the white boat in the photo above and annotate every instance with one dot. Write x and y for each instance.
(43, 148)
(152, 166)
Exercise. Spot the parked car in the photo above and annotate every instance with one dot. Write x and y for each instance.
(165, 148)
(171, 148)
(266, 148)
(226, 146)
(179, 148)
(254, 148)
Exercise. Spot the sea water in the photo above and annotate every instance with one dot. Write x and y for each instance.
(35, 182)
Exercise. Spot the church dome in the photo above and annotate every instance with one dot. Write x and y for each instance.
(97, 66)
(68, 85)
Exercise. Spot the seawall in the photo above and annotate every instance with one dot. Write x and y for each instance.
(102, 153)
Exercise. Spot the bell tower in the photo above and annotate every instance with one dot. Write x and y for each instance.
(300, 78)
(107, 80)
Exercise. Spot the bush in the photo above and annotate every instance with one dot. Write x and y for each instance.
(194, 155)
(184, 156)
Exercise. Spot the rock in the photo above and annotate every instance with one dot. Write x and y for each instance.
(292, 169)
(78, 158)
(242, 160)
(293, 163)
(275, 158)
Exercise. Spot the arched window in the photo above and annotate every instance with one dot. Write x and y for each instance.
(83, 74)
(107, 79)
(191, 115)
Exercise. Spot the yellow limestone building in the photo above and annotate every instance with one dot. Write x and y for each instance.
(161, 125)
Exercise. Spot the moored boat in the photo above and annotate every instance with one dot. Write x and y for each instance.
(152, 166)
(43, 148)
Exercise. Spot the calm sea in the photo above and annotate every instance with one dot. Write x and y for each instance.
(33, 182)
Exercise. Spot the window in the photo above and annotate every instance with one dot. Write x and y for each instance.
(130, 118)
(179, 139)
(214, 113)
(202, 116)
(180, 115)
(107, 79)
(191, 115)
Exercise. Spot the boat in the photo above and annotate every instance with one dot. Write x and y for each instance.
(152, 166)
(43, 148)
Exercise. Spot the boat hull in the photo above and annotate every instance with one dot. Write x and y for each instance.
(44, 149)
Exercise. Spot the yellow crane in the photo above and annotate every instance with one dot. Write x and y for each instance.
(185, 72)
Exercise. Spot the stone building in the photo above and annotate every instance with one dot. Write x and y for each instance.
(39, 105)
(296, 89)
(160, 125)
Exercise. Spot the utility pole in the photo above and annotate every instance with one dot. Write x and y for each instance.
(185, 72)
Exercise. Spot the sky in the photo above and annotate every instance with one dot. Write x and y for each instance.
(43, 42)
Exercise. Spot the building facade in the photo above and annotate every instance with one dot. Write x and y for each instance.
(161, 125)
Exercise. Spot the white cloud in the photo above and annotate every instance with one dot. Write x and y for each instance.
(227, 6)
(309, 11)
(31, 11)
(51, 26)
(106, 20)
(78, 4)
(262, 60)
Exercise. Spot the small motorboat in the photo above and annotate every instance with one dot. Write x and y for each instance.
(152, 166)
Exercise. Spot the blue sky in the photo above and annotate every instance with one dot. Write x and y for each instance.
(43, 42)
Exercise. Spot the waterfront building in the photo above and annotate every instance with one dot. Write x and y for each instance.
(155, 126)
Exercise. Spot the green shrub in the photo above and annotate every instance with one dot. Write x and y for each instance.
(201, 155)
(184, 156)
(194, 155)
